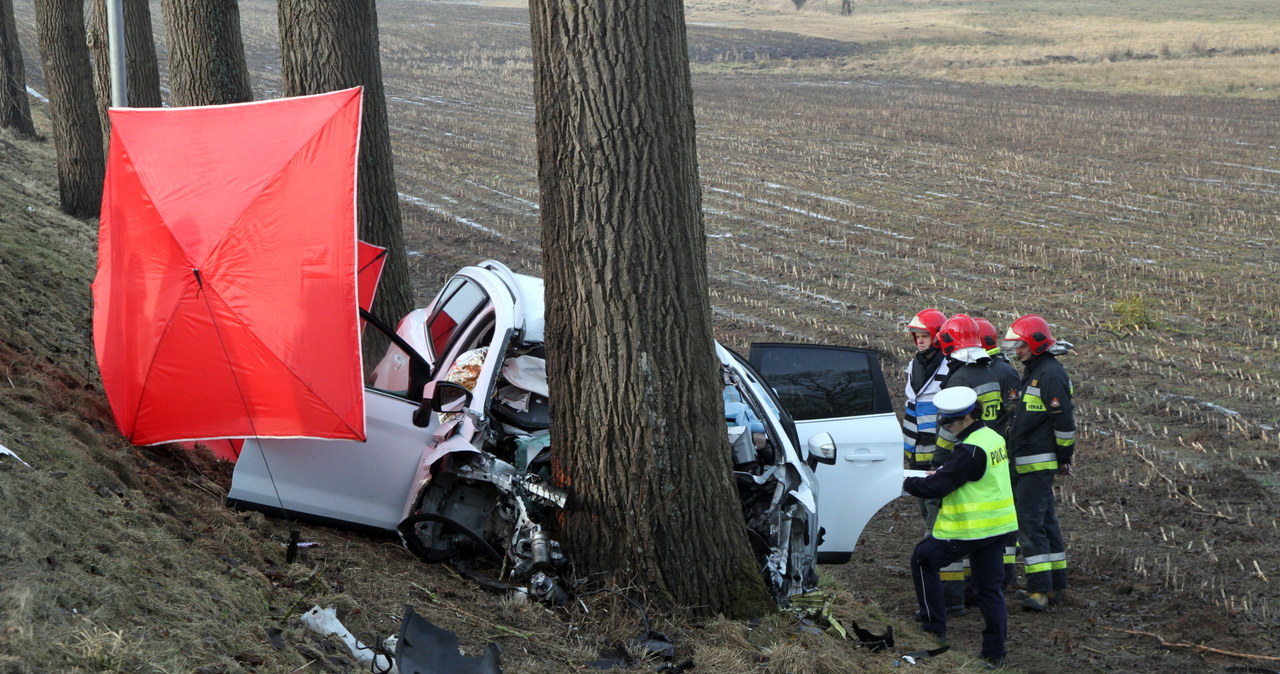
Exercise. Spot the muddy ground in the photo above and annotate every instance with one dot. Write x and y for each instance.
(1143, 227)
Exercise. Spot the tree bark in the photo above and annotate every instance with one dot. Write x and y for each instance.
(638, 419)
(142, 74)
(77, 137)
(206, 53)
(15, 108)
(326, 45)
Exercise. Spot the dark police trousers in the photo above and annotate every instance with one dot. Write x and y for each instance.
(986, 559)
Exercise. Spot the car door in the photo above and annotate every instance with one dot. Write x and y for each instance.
(841, 391)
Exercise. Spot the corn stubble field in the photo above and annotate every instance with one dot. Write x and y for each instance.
(852, 176)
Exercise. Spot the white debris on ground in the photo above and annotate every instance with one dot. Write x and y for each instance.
(324, 621)
(6, 451)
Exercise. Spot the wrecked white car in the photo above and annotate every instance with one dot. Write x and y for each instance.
(458, 447)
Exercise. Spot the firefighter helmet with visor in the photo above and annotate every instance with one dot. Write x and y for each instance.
(1031, 329)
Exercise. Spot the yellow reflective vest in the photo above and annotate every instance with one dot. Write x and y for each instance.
(984, 508)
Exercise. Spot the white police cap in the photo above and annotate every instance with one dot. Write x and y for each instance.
(954, 403)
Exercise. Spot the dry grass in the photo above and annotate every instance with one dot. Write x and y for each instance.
(1146, 46)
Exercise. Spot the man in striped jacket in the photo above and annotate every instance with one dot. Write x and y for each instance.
(925, 373)
(1042, 433)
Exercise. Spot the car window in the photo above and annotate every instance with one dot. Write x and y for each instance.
(760, 393)
(820, 383)
(462, 299)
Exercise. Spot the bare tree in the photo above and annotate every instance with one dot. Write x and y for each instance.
(77, 137)
(326, 45)
(206, 52)
(142, 74)
(846, 7)
(15, 109)
(638, 420)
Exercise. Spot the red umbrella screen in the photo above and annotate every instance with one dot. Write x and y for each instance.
(225, 299)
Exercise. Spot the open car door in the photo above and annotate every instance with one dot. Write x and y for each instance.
(841, 391)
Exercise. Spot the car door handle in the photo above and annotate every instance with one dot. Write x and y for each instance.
(863, 455)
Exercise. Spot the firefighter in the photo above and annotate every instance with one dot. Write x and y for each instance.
(990, 339)
(1042, 433)
(925, 372)
(977, 513)
(1010, 382)
(970, 365)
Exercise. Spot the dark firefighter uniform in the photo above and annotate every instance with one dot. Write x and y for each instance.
(976, 515)
(1041, 438)
(1011, 383)
(993, 385)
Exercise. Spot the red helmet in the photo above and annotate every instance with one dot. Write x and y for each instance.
(959, 332)
(929, 322)
(1033, 330)
(987, 333)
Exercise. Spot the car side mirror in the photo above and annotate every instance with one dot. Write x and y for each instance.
(440, 396)
(450, 397)
(822, 448)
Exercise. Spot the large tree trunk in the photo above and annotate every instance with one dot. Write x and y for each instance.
(327, 45)
(638, 419)
(142, 75)
(206, 52)
(15, 109)
(77, 138)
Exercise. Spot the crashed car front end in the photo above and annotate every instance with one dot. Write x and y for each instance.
(458, 455)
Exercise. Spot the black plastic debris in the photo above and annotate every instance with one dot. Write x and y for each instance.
(931, 653)
(875, 642)
(275, 637)
(652, 643)
(424, 648)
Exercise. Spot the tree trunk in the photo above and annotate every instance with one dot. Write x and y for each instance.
(206, 53)
(326, 45)
(142, 75)
(77, 137)
(15, 109)
(638, 423)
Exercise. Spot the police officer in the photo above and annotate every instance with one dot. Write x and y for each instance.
(976, 514)
(1042, 434)
(970, 365)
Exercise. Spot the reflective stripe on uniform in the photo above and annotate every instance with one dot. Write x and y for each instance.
(990, 387)
(1042, 563)
(1064, 438)
(1034, 462)
(953, 571)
